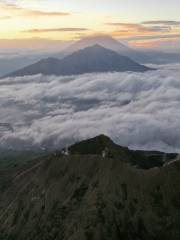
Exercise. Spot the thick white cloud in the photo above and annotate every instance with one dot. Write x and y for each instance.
(139, 110)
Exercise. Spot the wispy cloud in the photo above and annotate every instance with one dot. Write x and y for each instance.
(137, 27)
(43, 30)
(162, 22)
(146, 33)
(18, 10)
(151, 41)
(162, 36)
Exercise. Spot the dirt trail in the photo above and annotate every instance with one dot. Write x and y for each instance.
(175, 160)
(27, 171)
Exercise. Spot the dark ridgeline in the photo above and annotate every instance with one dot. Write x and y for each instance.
(88, 60)
(95, 190)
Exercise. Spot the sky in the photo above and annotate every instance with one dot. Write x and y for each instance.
(140, 22)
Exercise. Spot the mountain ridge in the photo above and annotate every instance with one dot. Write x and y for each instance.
(90, 196)
(91, 59)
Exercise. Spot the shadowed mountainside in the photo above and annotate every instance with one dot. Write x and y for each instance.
(89, 60)
(86, 196)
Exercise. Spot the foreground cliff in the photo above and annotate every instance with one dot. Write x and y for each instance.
(90, 195)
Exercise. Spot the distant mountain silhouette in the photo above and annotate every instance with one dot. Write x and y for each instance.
(103, 40)
(91, 59)
(107, 41)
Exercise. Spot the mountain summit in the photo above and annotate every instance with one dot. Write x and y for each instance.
(88, 60)
(108, 42)
(105, 41)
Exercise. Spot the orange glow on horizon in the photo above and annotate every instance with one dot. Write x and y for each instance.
(150, 43)
(30, 20)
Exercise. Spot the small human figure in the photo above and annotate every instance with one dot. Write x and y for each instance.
(105, 152)
(65, 151)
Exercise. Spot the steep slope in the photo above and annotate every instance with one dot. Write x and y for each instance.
(87, 196)
(13, 161)
(88, 60)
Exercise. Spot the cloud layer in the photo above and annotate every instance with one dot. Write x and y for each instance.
(139, 110)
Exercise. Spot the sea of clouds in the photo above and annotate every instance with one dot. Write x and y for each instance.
(138, 110)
